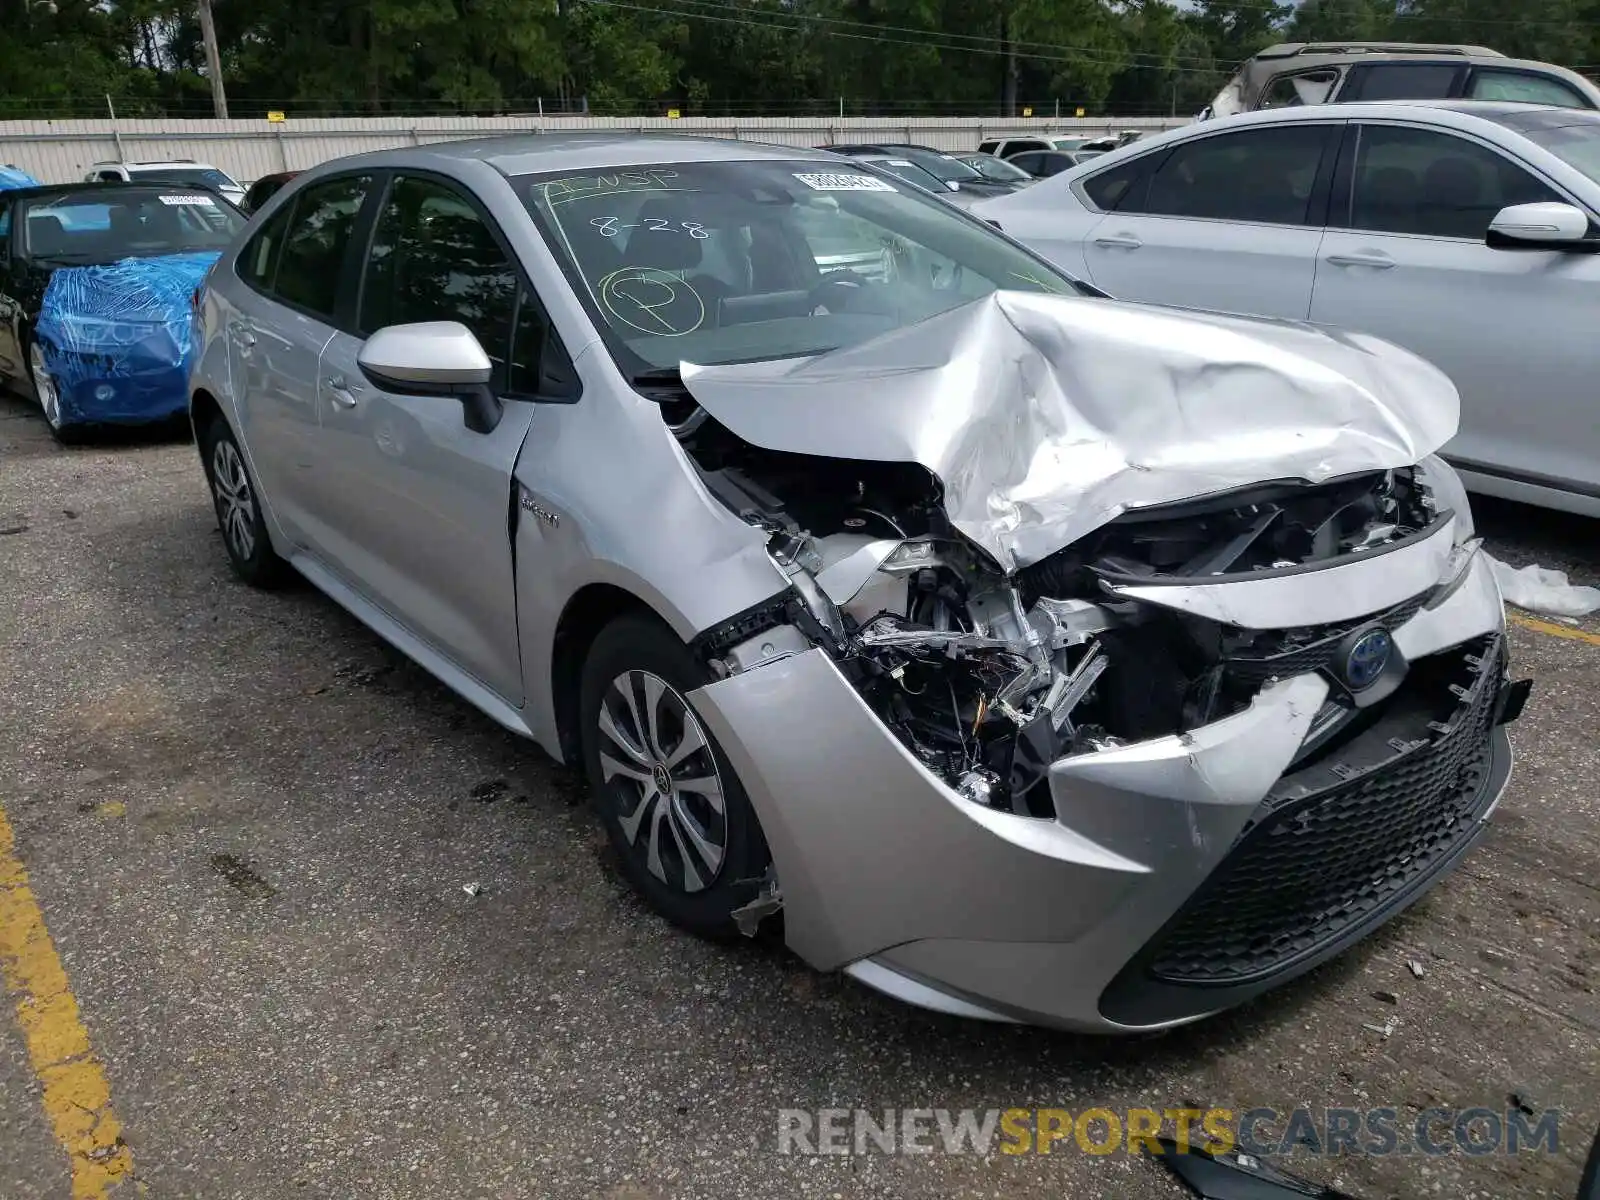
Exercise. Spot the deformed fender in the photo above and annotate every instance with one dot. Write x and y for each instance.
(604, 495)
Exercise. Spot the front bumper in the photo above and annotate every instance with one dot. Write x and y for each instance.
(154, 393)
(1180, 875)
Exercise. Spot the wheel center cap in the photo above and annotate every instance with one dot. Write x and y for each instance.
(663, 778)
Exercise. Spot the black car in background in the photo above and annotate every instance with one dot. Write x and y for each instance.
(97, 282)
(944, 167)
(264, 189)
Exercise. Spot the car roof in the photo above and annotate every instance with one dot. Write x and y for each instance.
(529, 153)
(163, 162)
(1454, 114)
(101, 185)
(1342, 49)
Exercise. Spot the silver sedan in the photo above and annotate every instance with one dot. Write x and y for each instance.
(1033, 656)
(1464, 231)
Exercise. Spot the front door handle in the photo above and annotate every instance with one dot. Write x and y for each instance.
(1377, 260)
(341, 393)
(1124, 241)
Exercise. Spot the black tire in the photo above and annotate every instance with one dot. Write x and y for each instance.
(1589, 1188)
(239, 517)
(629, 650)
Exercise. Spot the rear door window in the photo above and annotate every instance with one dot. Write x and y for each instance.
(1402, 81)
(1423, 181)
(989, 147)
(1259, 175)
(1522, 87)
(311, 259)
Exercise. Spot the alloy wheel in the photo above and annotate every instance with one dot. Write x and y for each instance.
(656, 762)
(236, 503)
(44, 386)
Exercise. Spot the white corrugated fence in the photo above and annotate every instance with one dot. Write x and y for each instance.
(62, 151)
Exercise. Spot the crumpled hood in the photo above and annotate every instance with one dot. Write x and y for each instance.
(1044, 417)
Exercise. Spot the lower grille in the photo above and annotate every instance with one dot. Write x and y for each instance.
(1323, 858)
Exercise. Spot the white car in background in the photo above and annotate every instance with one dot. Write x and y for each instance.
(1464, 231)
(182, 171)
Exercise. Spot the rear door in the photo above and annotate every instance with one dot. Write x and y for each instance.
(294, 269)
(1405, 259)
(1229, 221)
(418, 506)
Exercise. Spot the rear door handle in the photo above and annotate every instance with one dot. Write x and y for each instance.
(341, 393)
(1377, 260)
(1124, 241)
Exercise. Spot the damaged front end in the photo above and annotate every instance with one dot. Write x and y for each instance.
(989, 678)
(1215, 720)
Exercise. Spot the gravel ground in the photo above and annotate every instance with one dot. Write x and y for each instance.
(249, 825)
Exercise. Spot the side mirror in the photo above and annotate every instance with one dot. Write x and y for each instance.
(434, 358)
(953, 184)
(1545, 226)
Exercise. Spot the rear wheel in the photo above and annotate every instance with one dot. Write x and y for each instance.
(675, 812)
(233, 492)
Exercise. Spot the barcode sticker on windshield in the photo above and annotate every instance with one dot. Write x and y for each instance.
(844, 183)
(194, 199)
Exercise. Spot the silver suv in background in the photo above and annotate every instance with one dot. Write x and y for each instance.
(1041, 657)
(1299, 73)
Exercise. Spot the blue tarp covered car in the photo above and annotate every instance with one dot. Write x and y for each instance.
(96, 301)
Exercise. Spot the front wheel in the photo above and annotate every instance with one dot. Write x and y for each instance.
(233, 492)
(675, 812)
(47, 391)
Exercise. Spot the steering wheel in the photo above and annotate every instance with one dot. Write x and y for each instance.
(837, 291)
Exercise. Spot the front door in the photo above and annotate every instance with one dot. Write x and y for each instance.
(1228, 222)
(1511, 328)
(284, 316)
(415, 507)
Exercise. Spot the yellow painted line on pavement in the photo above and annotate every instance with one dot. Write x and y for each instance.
(1554, 630)
(77, 1098)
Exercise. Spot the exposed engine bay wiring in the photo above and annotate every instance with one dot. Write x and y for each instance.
(987, 678)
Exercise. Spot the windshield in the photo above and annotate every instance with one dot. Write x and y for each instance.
(102, 225)
(208, 176)
(998, 169)
(720, 262)
(945, 166)
(1577, 145)
(904, 168)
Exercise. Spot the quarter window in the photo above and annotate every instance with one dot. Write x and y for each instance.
(311, 259)
(1421, 181)
(434, 259)
(1264, 175)
(1292, 91)
(1522, 88)
(1116, 190)
(258, 261)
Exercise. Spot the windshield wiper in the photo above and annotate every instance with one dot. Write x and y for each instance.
(658, 377)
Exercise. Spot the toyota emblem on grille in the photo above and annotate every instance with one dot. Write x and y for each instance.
(1367, 657)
